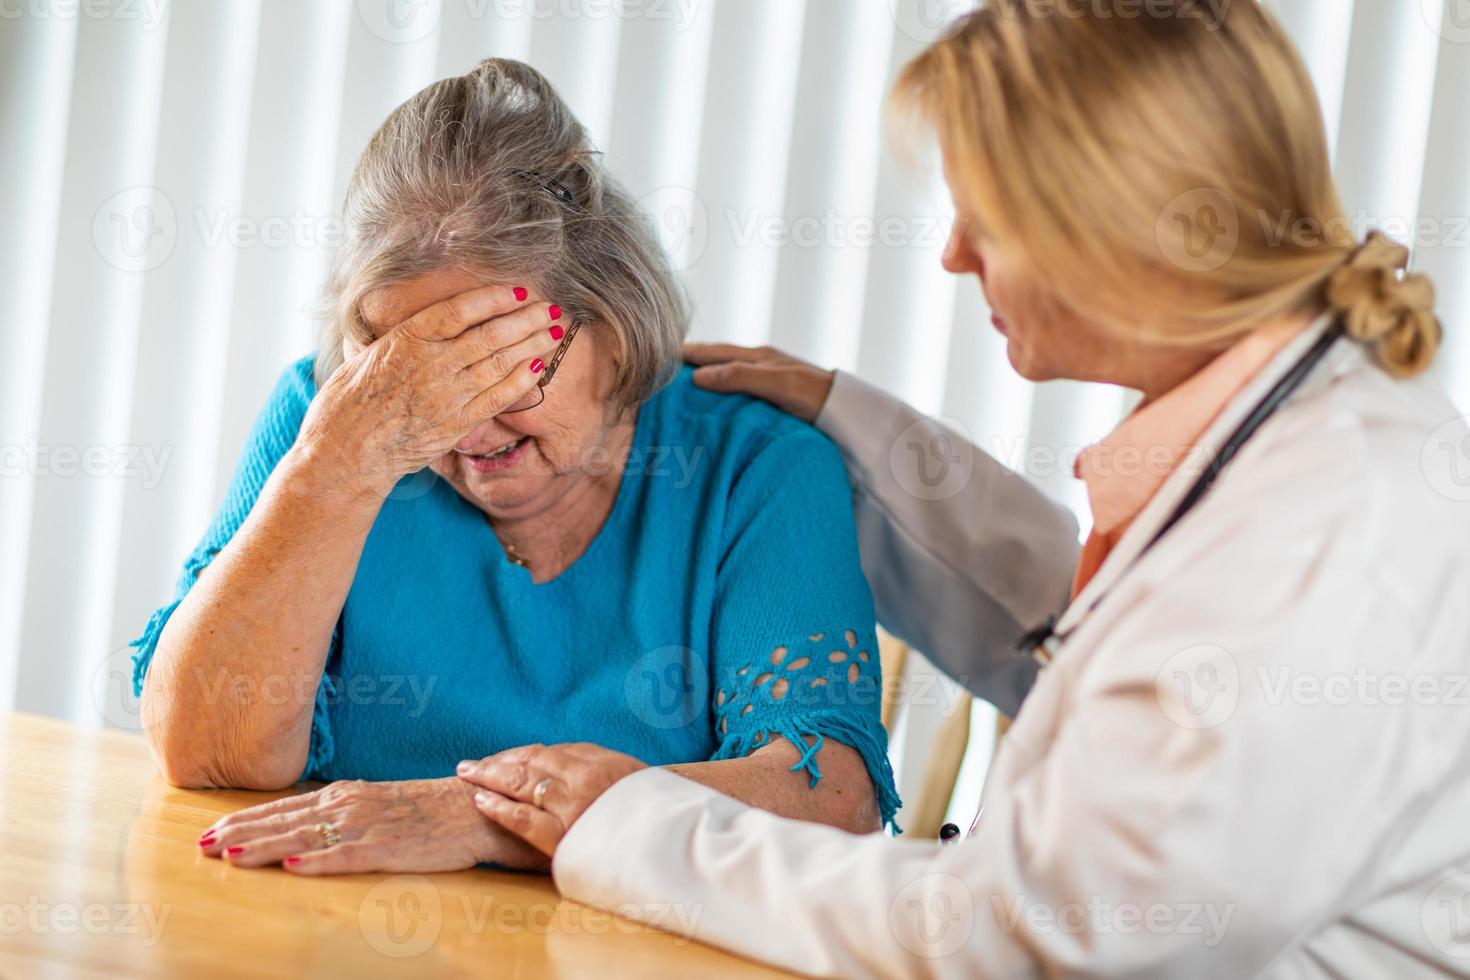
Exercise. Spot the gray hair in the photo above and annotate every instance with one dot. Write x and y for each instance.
(492, 172)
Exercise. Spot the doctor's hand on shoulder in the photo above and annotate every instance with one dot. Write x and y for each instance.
(789, 383)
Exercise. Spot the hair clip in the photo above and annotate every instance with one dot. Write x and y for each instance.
(559, 191)
(552, 186)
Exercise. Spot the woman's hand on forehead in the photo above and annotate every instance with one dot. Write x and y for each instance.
(411, 395)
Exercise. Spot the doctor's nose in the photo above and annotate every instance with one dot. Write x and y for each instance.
(960, 256)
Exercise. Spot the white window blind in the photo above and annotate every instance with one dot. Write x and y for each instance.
(173, 172)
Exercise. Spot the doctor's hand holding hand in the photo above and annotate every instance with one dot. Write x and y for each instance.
(790, 384)
(538, 791)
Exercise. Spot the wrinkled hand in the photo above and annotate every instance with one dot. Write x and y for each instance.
(405, 400)
(792, 385)
(420, 825)
(578, 772)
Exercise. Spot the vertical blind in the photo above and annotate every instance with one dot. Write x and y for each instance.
(172, 174)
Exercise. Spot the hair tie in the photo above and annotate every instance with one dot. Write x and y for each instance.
(1390, 312)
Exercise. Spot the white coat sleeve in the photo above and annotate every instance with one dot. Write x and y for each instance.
(1135, 846)
(963, 554)
(1163, 807)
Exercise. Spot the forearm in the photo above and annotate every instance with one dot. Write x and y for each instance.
(229, 693)
(842, 798)
(795, 895)
(961, 567)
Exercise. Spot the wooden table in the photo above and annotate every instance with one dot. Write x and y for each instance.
(100, 876)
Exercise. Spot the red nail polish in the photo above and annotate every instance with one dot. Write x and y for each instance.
(555, 312)
(291, 862)
(206, 839)
(235, 851)
(521, 294)
(536, 366)
(557, 333)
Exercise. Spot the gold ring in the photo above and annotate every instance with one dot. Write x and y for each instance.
(330, 837)
(538, 795)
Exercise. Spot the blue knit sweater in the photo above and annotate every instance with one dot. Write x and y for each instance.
(721, 604)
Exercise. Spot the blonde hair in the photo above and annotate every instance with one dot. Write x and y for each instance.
(490, 172)
(1106, 148)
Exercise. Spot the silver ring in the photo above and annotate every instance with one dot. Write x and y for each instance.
(330, 837)
(538, 795)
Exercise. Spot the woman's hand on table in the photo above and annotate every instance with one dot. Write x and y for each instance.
(404, 401)
(419, 825)
(792, 385)
(576, 774)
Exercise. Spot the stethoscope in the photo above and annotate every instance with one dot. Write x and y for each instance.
(1044, 642)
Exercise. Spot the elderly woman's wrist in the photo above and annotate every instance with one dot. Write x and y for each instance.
(327, 472)
(332, 470)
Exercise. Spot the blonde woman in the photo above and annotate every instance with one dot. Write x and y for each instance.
(1220, 770)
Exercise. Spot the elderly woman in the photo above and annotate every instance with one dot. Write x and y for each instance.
(430, 552)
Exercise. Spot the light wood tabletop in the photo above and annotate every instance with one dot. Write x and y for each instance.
(100, 876)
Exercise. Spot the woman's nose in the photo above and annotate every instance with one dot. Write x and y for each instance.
(960, 258)
(951, 260)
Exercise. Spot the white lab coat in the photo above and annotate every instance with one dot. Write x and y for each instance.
(1251, 759)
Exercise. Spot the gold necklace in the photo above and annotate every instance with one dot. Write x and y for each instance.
(515, 559)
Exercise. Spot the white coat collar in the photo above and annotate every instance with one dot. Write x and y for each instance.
(1158, 510)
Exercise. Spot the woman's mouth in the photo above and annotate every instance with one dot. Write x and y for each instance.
(501, 459)
(999, 324)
